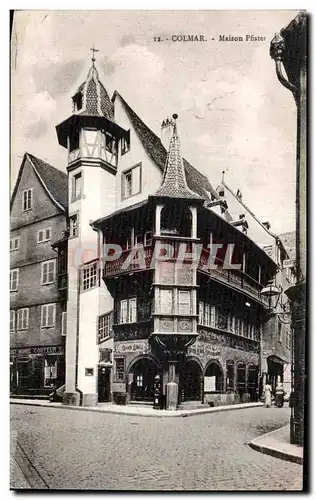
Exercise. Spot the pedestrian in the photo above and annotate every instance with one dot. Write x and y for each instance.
(279, 395)
(267, 395)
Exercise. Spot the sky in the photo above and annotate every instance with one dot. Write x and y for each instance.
(234, 115)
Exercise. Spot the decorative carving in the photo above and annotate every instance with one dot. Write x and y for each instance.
(228, 339)
(277, 47)
(184, 325)
(166, 325)
(105, 355)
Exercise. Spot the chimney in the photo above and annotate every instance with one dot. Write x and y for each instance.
(166, 132)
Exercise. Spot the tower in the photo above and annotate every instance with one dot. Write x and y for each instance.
(92, 139)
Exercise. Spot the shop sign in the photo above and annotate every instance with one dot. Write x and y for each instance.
(142, 347)
(26, 351)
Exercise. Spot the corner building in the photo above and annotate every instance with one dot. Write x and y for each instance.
(151, 310)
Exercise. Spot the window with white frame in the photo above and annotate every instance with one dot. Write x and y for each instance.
(50, 371)
(27, 200)
(131, 182)
(44, 235)
(76, 186)
(139, 240)
(48, 272)
(89, 276)
(208, 314)
(14, 280)
(165, 301)
(22, 322)
(120, 369)
(184, 302)
(74, 225)
(125, 143)
(14, 243)
(48, 315)
(105, 326)
(12, 320)
(148, 238)
(128, 310)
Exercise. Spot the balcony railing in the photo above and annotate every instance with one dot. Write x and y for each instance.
(234, 277)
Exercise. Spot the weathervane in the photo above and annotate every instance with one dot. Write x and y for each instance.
(93, 50)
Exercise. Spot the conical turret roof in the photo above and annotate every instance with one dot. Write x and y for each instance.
(174, 184)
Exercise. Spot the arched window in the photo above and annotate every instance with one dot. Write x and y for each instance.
(241, 378)
(214, 370)
(252, 381)
(230, 375)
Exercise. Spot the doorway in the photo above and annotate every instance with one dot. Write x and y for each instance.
(104, 384)
(190, 381)
(143, 372)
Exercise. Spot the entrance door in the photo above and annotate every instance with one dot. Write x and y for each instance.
(144, 372)
(190, 381)
(104, 392)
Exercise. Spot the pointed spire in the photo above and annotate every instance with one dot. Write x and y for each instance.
(174, 184)
(93, 97)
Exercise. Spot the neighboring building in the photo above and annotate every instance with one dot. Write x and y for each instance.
(131, 317)
(38, 217)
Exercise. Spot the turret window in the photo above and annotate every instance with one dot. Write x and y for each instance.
(76, 186)
(74, 226)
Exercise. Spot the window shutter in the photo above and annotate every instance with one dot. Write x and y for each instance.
(136, 180)
(12, 321)
(64, 323)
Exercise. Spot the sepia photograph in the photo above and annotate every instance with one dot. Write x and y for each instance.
(158, 250)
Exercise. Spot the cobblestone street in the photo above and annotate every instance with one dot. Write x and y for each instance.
(87, 450)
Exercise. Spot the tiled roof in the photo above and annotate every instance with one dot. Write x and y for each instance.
(196, 181)
(174, 184)
(55, 181)
(289, 242)
(95, 99)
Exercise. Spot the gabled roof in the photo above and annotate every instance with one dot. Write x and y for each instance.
(289, 243)
(54, 181)
(153, 146)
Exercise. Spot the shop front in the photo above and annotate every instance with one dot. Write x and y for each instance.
(36, 370)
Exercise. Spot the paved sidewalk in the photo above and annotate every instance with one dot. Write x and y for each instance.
(141, 411)
(17, 479)
(277, 443)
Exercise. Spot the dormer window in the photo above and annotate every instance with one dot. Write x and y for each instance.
(221, 192)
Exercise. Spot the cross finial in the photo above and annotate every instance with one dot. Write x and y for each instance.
(93, 50)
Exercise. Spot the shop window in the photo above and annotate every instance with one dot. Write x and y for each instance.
(12, 321)
(14, 280)
(74, 225)
(14, 244)
(22, 319)
(89, 276)
(230, 375)
(105, 326)
(120, 369)
(44, 235)
(128, 310)
(48, 315)
(27, 202)
(131, 181)
(48, 272)
(50, 371)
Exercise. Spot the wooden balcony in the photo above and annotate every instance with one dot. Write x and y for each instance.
(235, 278)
